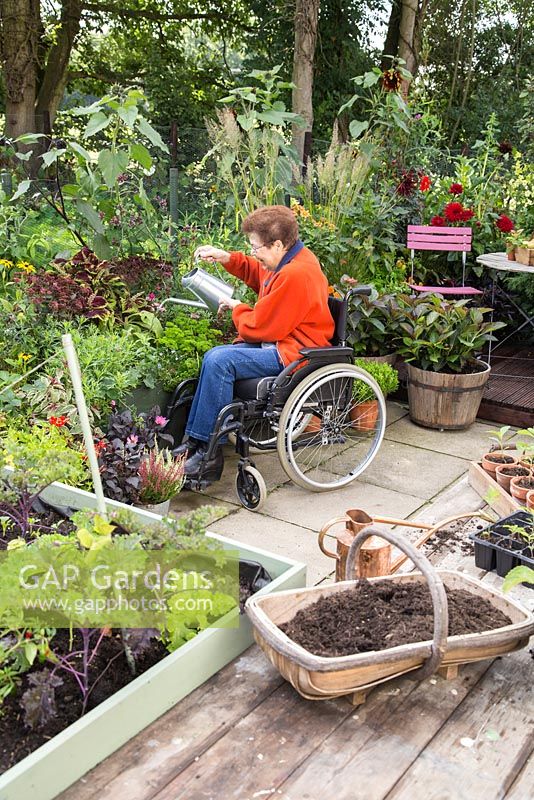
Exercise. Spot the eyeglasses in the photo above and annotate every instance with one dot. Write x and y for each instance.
(255, 247)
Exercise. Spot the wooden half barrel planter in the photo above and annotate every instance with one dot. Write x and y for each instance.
(64, 759)
(449, 401)
(321, 678)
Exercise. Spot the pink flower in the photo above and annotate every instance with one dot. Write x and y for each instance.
(159, 420)
(132, 439)
(151, 296)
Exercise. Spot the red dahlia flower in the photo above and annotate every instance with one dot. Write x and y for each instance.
(456, 188)
(504, 224)
(467, 214)
(438, 222)
(425, 183)
(454, 212)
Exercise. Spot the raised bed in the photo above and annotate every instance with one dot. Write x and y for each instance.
(64, 759)
(495, 495)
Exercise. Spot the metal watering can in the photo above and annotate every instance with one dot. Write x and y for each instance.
(209, 289)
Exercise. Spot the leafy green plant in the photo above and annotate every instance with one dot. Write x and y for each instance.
(19, 650)
(501, 436)
(516, 576)
(443, 336)
(526, 446)
(31, 461)
(108, 191)
(384, 374)
(181, 346)
(373, 323)
(251, 142)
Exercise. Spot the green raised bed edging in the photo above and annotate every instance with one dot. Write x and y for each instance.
(64, 759)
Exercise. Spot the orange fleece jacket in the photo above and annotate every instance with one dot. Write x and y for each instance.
(292, 309)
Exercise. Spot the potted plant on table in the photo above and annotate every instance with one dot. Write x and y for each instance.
(364, 412)
(160, 478)
(440, 340)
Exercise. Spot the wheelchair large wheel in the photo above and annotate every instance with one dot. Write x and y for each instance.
(346, 435)
(263, 433)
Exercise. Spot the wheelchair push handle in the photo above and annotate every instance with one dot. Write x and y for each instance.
(363, 289)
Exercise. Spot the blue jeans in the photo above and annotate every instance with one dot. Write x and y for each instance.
(221, 367)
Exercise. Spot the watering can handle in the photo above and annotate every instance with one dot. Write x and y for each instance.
(324, 532)
(435, 584)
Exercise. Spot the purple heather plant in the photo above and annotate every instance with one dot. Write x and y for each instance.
(161, 476)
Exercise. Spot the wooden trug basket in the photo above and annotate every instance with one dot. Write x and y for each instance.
(322, 678)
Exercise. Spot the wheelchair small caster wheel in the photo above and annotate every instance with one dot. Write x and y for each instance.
(250, 488)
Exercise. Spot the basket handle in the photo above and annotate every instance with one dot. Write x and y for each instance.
(435, 584)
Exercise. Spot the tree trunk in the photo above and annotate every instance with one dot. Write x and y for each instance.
(56, 71)
(412, 16)
(391, 45)
(306, 15)
(18, 48)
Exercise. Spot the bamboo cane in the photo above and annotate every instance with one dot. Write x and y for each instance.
(74, 369)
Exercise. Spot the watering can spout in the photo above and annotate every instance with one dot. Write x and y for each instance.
(209, 289)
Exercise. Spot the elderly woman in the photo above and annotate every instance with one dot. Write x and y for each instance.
(291, 313)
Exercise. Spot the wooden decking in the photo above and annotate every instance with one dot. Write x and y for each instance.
(509, 395)
(247, 734)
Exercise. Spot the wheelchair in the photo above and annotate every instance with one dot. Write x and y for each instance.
(311, 414)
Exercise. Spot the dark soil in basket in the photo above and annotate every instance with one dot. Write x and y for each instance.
(376, 616)
(17, 741)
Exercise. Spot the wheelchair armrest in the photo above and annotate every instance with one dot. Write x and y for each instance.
(328, 353)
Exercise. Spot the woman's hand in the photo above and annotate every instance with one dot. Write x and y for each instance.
(208, 253)
(229, 303)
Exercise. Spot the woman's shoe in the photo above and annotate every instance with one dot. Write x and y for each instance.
(188, 447)
(197, 467)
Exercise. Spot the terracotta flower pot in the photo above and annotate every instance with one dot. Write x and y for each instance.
(521, 486)
(490, 461)
(505, 472)
(313, 426)
(530, 500)
(364, 415)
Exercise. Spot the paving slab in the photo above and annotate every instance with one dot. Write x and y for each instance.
(313, 509)
(190, 501)
(469, 444)
(456, 499)
(281, 538)
(405, 469)
(267, 463)
(394, 411)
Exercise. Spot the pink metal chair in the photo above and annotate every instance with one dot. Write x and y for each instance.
(430, 237)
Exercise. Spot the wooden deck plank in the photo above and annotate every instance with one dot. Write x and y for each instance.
(523, 786)
(152, 758)
(261, 750)
(368, 753)
(495, 719)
